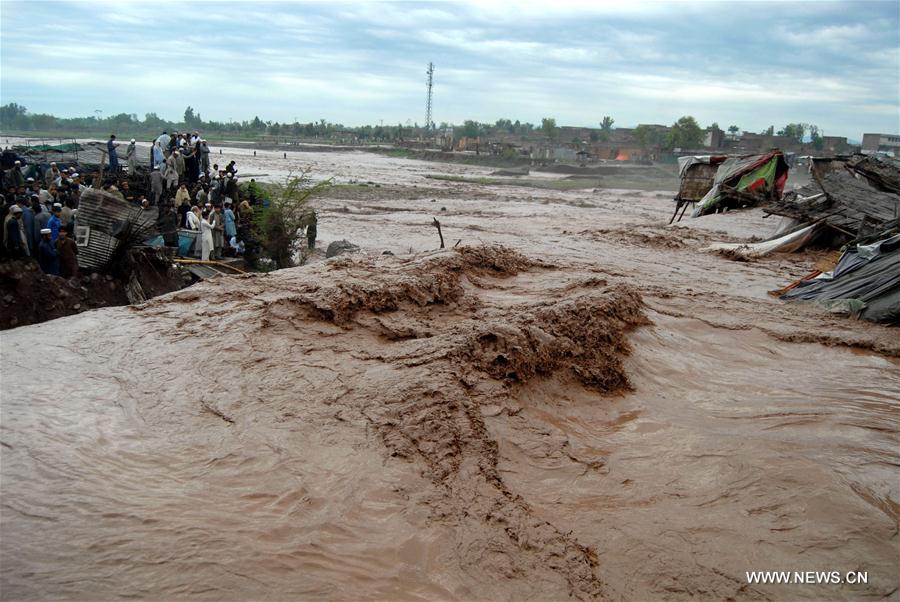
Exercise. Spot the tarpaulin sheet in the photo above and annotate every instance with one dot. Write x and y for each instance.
(869, 274)
(753, 168)
(71, 147)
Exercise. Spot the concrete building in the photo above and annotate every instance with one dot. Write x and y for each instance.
(889, 143)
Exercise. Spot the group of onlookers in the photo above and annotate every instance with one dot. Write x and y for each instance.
(39, 213)
(38, 216)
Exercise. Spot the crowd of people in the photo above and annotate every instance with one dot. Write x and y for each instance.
(39, 214)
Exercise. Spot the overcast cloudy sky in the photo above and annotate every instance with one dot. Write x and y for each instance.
(836, 64)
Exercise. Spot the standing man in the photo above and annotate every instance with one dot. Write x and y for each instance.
(171, 171)
(113, 154)
(218, 223)
(312, 230)
(55, 222)
(204, 157)
(47, 255)
(68, 254)
(52, 175)
(17, 179)
(14, 234)
(163, 141)
(156, 185)
(167, 224)
(131, 157)
(24, 203)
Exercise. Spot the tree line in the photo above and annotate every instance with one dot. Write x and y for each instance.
(684, 133)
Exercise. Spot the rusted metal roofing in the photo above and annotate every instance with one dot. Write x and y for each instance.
(104, 222)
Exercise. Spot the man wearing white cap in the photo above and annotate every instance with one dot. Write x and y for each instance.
(55, 222)
(204, 156)
(131, 157)
(111, 146)
(47, 255)
(156, 185)
(17, 179)
(171, 173)
(52, 176)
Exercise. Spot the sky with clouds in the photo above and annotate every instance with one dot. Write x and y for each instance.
(835, 64)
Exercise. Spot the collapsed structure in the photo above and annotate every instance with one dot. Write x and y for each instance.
(715, 182)
(850, 197)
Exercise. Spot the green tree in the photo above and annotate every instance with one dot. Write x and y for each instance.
(548, 126)
(606, 127)
(733, 130)
(281, 223)
(815, 136)
(470, 129)
(793, 130)
(191, 119)
(685, 134)
(648, 136)
(13, 116)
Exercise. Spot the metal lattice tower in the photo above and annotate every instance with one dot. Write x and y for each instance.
(430, 73)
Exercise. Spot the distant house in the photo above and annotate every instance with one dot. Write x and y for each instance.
(835, 144)
(887, 143)
(714, 138)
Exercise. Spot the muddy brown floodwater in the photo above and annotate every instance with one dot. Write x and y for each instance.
(576, 401)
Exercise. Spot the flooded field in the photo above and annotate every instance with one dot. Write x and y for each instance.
(577, 401)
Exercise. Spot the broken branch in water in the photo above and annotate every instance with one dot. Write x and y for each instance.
(437, 225)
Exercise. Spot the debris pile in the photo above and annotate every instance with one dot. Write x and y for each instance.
(865, 283)
(852, 198)
(853, 204)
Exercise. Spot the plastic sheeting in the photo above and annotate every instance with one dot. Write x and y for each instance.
(785, 244)
(865, 282)
(770, 168)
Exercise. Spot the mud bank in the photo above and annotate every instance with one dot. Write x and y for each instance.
(29, 296)
(468, 424)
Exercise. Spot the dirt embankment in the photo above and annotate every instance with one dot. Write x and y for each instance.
(29, 296)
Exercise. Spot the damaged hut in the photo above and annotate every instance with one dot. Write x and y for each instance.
(697, 175)
(744, 182)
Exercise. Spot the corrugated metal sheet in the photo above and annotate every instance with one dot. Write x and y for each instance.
(101, 212)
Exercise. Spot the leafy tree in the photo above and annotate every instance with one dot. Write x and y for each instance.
(470, 129)
(191, 119)
(606, 127)
(685, 133)
(548, 126)
(648, 136)
(733, 130)
(815, 136)
(13, 116)
(281, 223)
(793, 130)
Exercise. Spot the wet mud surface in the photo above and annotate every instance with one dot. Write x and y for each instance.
(574, 402)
